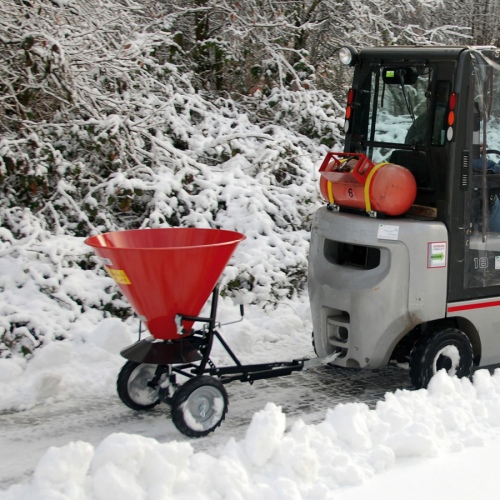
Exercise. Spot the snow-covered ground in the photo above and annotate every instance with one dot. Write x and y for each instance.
(195, 161)
(435, 443)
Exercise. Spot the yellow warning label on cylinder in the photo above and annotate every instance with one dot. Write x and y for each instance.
(119, 276)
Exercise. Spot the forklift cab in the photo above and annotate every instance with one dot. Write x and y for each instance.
(429, 278)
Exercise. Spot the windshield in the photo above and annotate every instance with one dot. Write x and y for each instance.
(400, 108)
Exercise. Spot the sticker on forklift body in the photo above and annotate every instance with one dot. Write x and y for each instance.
(436, 254)
(119, 276)
(387, 232)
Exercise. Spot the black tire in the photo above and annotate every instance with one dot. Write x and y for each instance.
(132, 386)
(199, 406)
(449, 349)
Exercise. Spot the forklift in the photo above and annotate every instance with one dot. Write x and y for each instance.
(404, 261)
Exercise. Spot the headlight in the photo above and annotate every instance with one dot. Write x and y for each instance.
(348, 55)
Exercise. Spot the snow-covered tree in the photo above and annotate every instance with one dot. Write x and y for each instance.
(120, 114)
(104, 127)
(482, 17)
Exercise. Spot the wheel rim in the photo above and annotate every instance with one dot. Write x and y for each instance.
(203, 408)
(139, 390)
(447, 358)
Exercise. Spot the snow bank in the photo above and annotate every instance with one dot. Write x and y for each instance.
(86, 364)
(352, 445)
(88, 361)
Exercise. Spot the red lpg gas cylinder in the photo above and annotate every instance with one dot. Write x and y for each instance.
(352, 180)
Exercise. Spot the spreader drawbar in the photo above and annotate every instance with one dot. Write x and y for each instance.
(243, 373)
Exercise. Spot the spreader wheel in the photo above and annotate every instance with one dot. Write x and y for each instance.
(449, 349)
(133, 386)
(199, 406)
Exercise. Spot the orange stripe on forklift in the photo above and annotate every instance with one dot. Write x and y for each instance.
(477, 305)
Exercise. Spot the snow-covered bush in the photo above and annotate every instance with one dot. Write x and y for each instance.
(118, 114)
(104, 129)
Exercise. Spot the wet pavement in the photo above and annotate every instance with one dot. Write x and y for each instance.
(307, 394)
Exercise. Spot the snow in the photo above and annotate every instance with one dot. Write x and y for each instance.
(442, 441)
(60, 326)
(436, 442)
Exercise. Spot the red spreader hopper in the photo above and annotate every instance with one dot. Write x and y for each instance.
(166, 272)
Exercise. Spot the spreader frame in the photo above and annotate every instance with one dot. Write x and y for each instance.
(190, 355)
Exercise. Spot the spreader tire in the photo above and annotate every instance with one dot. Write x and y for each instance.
(132, 386)
(449, 349)
(199, 406)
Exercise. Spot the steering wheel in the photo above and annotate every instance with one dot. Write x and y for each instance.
(493, 152)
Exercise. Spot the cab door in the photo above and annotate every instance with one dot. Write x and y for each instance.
(482, 204)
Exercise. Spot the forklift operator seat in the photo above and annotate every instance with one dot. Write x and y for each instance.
(416, 162)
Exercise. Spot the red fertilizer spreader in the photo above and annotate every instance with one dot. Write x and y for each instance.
(168, 275)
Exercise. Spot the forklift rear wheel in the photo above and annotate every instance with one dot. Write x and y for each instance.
(133, 386)
(199, 406)
(449, 349)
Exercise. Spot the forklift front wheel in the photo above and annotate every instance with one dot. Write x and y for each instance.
(449, 349)
(199, 406)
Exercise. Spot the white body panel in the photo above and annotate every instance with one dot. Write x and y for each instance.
(360, 312)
